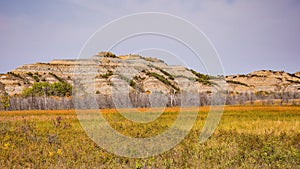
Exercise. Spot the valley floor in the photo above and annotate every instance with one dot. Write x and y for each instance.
(246, 137)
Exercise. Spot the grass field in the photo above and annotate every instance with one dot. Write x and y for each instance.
(247, 137)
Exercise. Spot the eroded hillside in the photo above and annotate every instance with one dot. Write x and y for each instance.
(142, 76)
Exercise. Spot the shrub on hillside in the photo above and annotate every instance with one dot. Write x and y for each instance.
(237, 82)
(162, 79)
(60, 89)
(109, 55)
(5, 101)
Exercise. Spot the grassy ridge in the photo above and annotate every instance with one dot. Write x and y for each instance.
(247, 137)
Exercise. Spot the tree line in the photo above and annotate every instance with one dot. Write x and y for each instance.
(42, 97)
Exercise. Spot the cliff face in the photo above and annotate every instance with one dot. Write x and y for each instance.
(142, 75)
(265, 80)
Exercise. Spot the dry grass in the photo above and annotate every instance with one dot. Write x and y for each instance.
(247, 137)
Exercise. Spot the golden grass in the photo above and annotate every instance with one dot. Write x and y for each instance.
(246, 137)
(242, 119)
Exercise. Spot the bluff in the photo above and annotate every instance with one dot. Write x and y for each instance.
(145, 75)
(150, 74)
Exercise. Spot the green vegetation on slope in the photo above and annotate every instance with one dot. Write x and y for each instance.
(60, 89)
(56, 77)
(19, 77)
(162, 79)
(201, 78)
(109, 55)
(164, 72)
(107, 74)
(237, 82)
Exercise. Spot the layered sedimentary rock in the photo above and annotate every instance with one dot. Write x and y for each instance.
(141, 74)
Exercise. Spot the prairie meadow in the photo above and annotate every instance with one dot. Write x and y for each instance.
(246, 137)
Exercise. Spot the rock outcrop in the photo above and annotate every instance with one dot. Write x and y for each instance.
(265, 80)
(143, 75)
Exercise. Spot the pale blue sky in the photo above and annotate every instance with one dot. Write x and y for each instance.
(248, 34)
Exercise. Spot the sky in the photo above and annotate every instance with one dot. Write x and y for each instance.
(248, 35)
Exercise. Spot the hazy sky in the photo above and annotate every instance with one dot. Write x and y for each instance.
(248, 34)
